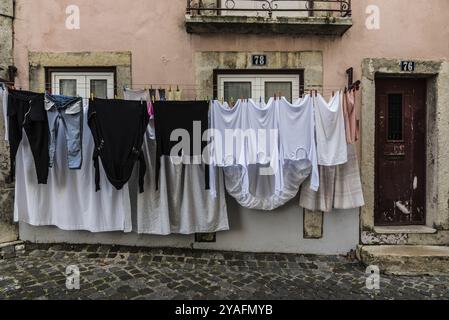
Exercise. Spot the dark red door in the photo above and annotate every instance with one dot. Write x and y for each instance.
(400, 190)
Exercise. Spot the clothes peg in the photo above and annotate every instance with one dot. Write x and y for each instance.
(92, 96)
(333, 93)
(115, 97)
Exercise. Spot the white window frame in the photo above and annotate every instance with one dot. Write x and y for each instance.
(83, 82)
(258, 83)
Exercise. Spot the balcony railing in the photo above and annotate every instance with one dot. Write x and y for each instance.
(270, 8)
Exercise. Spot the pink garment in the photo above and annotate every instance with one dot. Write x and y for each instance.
(150, 109)
(351, 117)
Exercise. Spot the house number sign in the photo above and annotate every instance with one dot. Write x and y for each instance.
(408, 66)
(259, 60)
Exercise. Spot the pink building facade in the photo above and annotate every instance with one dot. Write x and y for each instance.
(394, 47)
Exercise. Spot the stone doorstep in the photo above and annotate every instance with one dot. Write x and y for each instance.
(406, 260)
(11, 244)
(405, 230)
(10, 249)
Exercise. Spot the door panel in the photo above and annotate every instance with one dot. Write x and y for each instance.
(400, 191)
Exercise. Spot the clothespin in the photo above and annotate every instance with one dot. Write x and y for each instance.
(153, 98)
(333, 93)
(115, 97)
(177, 88)
(92, 96)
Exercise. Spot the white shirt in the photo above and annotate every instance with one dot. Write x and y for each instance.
(332, 148)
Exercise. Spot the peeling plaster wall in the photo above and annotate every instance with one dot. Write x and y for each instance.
(163, 53)
(39, 60)
(8, 231)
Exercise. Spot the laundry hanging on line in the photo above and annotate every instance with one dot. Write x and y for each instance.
(340, 184)
(66, 112)
(26, 113)
(181, 204)
(263, 171)
(69, 200)
(118, 127)
(295, 162)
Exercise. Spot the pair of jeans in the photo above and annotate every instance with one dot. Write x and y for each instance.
(26, 112)
(67, 111)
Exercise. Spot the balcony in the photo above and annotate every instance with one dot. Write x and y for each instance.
(293, 17)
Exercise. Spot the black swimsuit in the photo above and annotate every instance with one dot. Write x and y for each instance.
(118, 128)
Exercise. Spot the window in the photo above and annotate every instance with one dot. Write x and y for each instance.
(395, 117)
(258, 86)
(83, 83)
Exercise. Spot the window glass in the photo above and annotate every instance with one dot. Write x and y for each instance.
(237, 90)
(283, 89)
(67, 87)
(99, 88)
(395, 117)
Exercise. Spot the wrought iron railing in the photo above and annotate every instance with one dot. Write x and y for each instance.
(311, 8)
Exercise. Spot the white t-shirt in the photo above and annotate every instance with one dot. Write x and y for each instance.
(330, 131)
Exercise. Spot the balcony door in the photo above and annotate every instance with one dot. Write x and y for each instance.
(83, 84)
(258, 87)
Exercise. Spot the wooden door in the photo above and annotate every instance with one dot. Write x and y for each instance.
(400, 190)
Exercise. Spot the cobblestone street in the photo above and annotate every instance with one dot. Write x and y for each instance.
(109, 272)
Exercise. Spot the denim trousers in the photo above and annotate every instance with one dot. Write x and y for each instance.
(68, 112)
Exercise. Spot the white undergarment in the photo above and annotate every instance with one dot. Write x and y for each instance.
(291, 156)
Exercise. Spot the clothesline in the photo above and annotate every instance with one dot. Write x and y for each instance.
(182, 86)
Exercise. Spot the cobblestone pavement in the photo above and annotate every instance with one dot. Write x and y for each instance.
(109, 272)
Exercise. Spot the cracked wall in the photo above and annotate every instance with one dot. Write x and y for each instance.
(8, 231)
